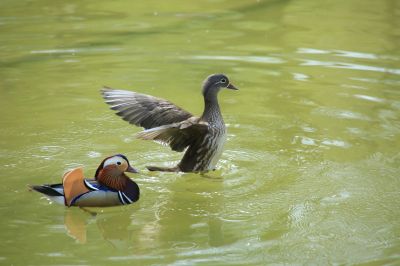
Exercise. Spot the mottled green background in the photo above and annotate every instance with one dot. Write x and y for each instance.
(310, 172)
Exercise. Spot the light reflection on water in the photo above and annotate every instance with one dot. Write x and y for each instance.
(309, 174)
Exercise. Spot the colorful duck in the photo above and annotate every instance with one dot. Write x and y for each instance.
(110, 187)
(202, 137)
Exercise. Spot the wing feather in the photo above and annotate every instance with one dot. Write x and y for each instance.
(143, 110)
(177, 135)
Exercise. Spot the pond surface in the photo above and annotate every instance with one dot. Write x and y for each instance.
(310, 171)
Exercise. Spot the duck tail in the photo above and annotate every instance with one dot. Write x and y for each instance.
(49, 190)
(163, 169)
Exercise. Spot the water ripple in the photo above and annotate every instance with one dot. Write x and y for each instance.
(298, 215)
(251, 59)
(344, 53)
(325, 142)
(330, 64)
(369, 98)
(336, 198)
(47, 152)
(342, 114)
(75, 50)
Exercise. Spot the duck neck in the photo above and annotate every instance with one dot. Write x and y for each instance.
(112, 180)
(212, 112)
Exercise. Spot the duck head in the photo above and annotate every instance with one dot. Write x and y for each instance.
(111, 171)
(214, 83)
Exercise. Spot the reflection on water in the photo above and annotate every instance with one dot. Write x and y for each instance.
(309, 174)
(113, 226)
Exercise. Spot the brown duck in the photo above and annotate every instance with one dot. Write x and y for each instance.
(203, 137)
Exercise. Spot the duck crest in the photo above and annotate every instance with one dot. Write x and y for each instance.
(100, 167)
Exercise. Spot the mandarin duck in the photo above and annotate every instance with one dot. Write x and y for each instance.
(203, 137)
(110, 186)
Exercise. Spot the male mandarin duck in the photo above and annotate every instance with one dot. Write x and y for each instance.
(110, 187)
(203, 137)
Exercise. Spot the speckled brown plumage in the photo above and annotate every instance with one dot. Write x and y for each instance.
(202, 137)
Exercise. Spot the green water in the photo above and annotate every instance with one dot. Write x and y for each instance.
(310, 171)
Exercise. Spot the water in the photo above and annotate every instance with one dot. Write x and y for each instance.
(309, 174)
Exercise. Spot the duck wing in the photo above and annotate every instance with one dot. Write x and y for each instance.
(177, 135)
(143, 110)
(51, 190)
(74, 185)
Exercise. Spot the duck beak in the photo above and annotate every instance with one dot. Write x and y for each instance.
(230, 86)
(131, 170)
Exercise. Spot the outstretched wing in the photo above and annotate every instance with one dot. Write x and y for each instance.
(177, 135)
(143, 110)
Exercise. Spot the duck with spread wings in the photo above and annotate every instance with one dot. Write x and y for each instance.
(203, 137)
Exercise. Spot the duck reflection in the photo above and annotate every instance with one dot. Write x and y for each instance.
(75, 222)
(188, 213)
(113, 226)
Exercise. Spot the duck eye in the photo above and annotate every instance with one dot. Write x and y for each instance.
(119, 163)
(223, 80)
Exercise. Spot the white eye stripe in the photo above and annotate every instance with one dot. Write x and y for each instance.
(116, 160)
